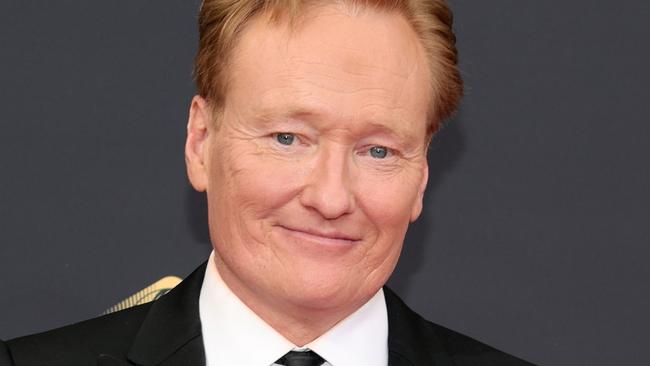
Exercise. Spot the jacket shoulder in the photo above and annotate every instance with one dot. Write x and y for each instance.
(467, 351)
(5, 357)
(417, 338)
(79, 343)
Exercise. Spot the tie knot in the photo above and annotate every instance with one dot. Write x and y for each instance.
(304, 358)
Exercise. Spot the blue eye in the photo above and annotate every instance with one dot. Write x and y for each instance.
(378, 152)
(285, 138)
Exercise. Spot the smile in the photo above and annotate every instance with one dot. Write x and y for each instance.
(325, 238)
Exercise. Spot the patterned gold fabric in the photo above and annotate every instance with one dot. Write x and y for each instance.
(147, 294)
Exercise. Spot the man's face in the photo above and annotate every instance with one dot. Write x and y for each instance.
(319, 161)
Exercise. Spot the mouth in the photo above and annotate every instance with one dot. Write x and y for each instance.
(332, 238)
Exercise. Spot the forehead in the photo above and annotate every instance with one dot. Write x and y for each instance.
(363, 65)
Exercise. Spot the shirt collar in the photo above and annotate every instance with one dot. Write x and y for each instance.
(359, 339)
(234, 335)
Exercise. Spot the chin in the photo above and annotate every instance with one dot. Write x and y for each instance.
(327, 293)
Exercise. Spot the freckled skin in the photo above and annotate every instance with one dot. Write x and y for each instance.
(341, 84)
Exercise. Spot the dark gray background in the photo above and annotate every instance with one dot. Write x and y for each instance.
(536, 230)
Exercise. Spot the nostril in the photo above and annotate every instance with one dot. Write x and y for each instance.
(329, 205)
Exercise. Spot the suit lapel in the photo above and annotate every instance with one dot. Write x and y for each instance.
(108, 360)
(171, 332)
(410, 340)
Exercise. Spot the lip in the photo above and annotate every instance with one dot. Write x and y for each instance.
(323, 237)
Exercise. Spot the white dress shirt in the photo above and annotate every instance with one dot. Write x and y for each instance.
(233, 335)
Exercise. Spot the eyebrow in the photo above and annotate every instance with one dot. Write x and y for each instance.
(267, 115)
(272, 114)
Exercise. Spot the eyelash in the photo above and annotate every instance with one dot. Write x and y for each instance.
(277, 135)
(366, 151)
(389, 152)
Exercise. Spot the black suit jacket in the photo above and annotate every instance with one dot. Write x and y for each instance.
(168, 332)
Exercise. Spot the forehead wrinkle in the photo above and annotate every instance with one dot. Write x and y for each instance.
(385, 96)
(339, 90)
(363, 76)
(335, 69)
(360, 69)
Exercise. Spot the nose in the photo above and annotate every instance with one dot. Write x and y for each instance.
(328, 186)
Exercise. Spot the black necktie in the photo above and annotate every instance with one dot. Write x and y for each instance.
(295, 358)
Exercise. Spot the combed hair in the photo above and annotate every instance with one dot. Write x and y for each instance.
(221, 21)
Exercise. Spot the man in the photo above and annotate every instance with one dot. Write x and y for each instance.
(309, 136)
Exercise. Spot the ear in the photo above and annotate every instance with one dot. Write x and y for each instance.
(196, 146)
(417, 205)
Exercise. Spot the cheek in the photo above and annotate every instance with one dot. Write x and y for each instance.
(246, 189)
(250, 183)
(387, 206)
(388, 202)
